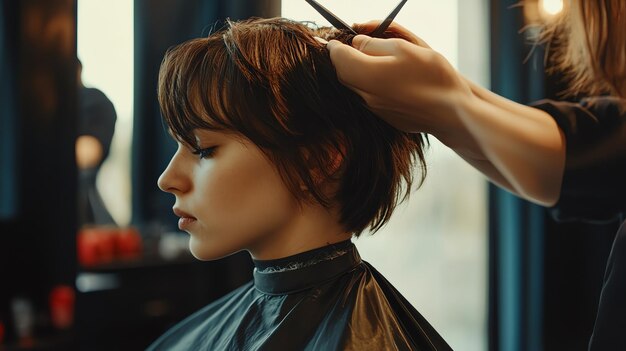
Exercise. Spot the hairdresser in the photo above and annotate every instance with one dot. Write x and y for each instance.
(570, 157)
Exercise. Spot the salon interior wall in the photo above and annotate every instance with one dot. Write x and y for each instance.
(434, 250)
(8, 201)
(38, 174)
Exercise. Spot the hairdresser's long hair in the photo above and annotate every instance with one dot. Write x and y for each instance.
(590, 46)
(271, 81)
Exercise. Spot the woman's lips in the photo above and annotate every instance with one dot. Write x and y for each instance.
(185, 222)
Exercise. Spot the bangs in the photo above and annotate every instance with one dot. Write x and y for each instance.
(194, 88)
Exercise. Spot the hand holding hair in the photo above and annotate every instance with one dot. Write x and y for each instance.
(415, 89)
(412, 87)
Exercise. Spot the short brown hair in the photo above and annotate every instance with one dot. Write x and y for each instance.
(272, 82)
(590, 41)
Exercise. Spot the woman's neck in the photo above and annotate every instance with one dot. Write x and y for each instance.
(314, 226)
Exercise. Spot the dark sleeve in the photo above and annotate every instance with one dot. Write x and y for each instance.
(594, 181)
(98, 118)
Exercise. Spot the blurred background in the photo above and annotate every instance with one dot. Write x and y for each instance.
(90, 254)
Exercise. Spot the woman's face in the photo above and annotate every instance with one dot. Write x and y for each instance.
(229, 198)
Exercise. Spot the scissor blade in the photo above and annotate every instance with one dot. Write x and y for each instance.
(330, 17)
(380, 30)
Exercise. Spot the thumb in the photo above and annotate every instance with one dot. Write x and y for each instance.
(375, 46)
(350, 64)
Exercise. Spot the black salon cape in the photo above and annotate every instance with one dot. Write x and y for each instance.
(594, 190)
(325, 299)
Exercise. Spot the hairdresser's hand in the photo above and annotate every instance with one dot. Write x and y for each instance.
(393, 31)
(403, 81)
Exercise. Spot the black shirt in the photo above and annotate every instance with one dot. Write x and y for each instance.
(97, 118)
(594, 190)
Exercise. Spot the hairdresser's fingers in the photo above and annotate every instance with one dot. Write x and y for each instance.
(350, 64)
(403, 33)
(395, 30)
(378, 47)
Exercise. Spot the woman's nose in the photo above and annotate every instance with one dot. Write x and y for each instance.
(174, 178)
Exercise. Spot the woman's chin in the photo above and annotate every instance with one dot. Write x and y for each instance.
(205, 252)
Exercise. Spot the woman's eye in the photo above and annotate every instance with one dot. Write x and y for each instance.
(205, 153)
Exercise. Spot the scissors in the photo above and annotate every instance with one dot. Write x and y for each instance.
(339, 24)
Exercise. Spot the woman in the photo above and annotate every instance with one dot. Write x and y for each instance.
(568, 156)
(277, 158)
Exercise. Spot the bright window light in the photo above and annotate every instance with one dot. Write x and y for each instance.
(105, 48)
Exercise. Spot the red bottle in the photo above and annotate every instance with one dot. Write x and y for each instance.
(62, 299)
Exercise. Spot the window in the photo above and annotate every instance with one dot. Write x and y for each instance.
(105, 48)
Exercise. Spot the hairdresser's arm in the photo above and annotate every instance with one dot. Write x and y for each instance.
(416, 89)
(522, 145)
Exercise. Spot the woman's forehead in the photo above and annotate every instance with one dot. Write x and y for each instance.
(201, 133)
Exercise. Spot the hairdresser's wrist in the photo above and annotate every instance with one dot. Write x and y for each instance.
(452, 128)
(455, 101)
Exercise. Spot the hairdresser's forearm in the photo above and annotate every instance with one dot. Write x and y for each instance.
(523, 144)
(486, 168)
(464, 144)
(491, 97)
(477, 159)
